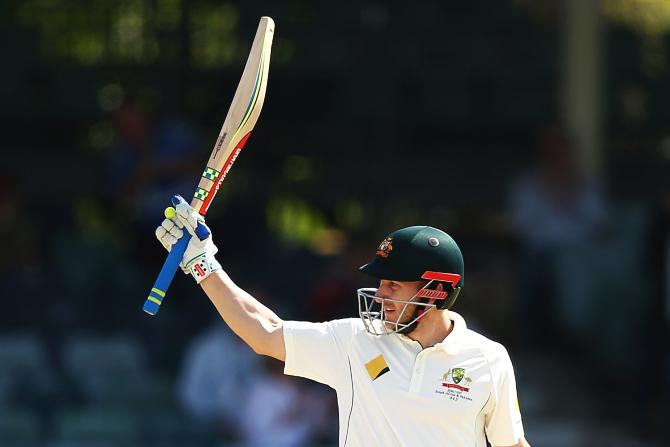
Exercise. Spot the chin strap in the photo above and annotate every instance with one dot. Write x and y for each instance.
(415, 315)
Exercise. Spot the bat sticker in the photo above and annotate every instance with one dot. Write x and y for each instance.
(201, 194)
(210, 173)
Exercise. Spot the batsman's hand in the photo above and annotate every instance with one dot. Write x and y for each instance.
(198, 260)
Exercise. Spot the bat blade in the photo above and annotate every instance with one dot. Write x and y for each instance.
(240, 121)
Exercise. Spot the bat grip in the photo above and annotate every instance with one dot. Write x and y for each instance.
(153, 302)
(157, 294)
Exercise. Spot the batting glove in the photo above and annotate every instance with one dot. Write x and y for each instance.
(198, 260)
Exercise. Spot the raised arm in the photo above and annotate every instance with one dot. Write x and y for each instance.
(253, 322)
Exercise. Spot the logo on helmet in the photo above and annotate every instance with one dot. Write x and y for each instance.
(385, 247)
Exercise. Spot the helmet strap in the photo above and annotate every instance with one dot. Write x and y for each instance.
(415, 317)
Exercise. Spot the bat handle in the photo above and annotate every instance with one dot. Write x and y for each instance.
(157, 294)
(153, 302)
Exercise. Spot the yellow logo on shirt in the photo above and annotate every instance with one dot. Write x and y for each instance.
(377, 367)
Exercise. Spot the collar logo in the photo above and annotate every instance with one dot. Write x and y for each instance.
(452, 380)
(385, 247)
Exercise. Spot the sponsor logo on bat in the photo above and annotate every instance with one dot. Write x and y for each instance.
(218, 144)
(230, 164)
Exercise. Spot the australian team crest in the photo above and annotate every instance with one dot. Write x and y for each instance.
(385, 247)
(452, 379)
(457, 374)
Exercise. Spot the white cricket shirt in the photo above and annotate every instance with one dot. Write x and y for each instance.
(391, 392)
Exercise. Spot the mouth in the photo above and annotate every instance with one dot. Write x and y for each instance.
(389, 311)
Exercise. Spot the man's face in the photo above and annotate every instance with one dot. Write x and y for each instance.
(401, 291)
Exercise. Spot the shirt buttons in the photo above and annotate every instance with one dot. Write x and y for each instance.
(418, 368)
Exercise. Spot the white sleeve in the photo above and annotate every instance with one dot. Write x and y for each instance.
(318, 351)
(503, 420)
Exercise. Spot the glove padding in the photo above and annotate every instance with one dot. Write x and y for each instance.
(198, 259)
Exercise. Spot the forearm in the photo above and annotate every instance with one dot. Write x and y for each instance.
(257, 325)
(253, 322)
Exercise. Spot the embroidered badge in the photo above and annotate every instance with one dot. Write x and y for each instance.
(385, 247)
(457, 384)
(457, 375)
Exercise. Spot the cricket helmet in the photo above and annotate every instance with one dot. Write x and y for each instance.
(417, 253)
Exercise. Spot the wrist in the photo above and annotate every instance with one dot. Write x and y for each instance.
(203, 265)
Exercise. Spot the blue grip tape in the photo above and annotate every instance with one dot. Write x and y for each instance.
(158, 291)
(157, 294)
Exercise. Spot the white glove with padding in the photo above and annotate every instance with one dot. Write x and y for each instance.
(198, 260)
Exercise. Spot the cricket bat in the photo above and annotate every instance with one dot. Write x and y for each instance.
(240, 120)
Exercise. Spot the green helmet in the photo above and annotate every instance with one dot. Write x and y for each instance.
(412, 254)
(407, 254)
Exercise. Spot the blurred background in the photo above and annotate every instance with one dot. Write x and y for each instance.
(535, 133)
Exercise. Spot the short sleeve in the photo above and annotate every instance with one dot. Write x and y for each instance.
(318, 351)
(503, 420)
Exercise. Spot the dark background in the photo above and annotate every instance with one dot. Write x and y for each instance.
(494, 121)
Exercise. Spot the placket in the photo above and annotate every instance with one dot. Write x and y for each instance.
(419, 370)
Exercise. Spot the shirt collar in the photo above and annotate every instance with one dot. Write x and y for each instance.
(451, 342)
